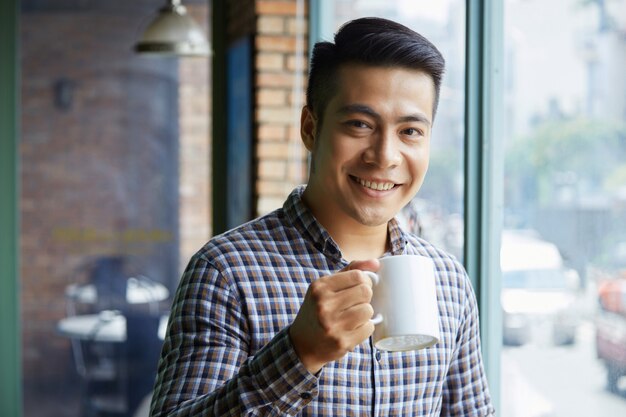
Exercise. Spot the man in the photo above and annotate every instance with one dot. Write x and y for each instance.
(273, 317)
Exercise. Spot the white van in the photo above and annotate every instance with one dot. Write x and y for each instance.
(537, 290)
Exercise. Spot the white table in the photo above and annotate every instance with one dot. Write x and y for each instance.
(107, 326)
(138, 291)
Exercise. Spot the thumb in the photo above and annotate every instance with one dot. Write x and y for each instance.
(364, 265)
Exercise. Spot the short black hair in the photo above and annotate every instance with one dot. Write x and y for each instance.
(370, 41)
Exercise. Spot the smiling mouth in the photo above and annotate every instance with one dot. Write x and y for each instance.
(377, 186)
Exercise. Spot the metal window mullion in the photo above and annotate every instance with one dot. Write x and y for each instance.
(219, 150)
(321, 22)
(484, 173)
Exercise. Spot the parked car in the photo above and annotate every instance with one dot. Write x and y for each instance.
(611, 319)
(537, 290)
(611, 346)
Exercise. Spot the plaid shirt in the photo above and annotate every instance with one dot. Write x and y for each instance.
(227, 350)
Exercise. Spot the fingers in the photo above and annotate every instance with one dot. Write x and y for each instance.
(334, 316)
(344, 280)
(356, 316)
(336, 310)
(348, 288)
(354, 296)
(348, 340)
(365, 265)
(363, 332)
(347, 277)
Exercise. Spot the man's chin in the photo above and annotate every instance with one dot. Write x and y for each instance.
(373, 219)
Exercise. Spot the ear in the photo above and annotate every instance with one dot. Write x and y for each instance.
(308, 128)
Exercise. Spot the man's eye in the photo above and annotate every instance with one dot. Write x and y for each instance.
(357, 123)
(413, 132)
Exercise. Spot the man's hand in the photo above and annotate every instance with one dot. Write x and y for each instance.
(334, 316)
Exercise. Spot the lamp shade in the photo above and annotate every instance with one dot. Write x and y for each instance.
(173, 32)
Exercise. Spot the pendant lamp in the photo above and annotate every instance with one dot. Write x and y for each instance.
(173, 32)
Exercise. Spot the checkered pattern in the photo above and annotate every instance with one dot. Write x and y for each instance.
(227, 350)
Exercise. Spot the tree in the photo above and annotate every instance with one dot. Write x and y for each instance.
(587, 155)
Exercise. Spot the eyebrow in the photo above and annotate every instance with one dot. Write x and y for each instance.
(362, 108)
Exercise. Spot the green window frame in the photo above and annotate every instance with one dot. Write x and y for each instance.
(10, 342)
(484, 173)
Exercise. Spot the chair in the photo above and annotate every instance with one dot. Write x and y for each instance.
(141, 355)
(99, 364)
(110, 280)
(116, 376)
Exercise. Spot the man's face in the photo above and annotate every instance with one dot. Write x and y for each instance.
(371, 153)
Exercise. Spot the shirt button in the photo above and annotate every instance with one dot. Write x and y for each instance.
(378, 356)
(306, 395)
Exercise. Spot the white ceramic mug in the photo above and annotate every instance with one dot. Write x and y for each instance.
(406, 313)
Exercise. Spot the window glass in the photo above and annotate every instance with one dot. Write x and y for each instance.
(114, 197)
(563, 254)
(436, 213)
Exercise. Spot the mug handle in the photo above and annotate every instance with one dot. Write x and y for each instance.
(378, 318)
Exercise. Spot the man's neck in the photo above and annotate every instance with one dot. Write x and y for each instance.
(362, 245)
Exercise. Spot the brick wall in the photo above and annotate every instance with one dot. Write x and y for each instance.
(281, 68)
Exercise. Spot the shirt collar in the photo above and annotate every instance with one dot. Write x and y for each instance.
(301, 217)
(397, 237)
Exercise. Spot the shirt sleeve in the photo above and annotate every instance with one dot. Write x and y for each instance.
(465, 391)
(206, 368)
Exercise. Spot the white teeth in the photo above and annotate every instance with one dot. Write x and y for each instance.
(382, 186)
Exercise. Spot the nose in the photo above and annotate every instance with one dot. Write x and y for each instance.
(383, 151)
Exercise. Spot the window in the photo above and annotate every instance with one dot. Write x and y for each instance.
(114, 156)
(562, 256)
